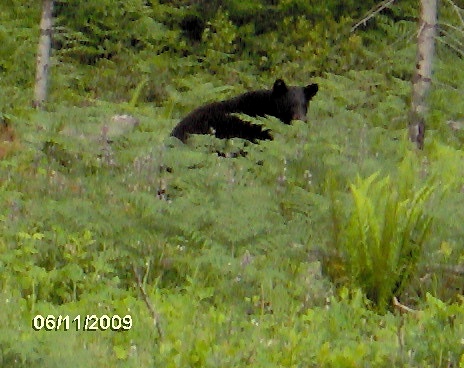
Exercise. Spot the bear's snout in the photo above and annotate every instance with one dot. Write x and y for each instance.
(299, 116)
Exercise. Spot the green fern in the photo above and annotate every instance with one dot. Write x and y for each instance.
(384, 236)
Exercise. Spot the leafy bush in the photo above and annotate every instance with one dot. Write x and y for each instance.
(107, 30)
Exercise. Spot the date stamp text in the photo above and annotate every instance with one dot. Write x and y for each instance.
(89, 322)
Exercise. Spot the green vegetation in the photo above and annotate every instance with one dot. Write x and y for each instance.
(287, 257)
(385, 235)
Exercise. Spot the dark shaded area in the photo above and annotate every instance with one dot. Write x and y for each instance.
(192, 27)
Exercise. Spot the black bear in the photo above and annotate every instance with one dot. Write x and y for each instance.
(286, 103)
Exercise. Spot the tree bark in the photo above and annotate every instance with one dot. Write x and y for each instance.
(43, 55)
(423, 75)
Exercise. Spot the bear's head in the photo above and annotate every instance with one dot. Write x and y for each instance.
(292, 102)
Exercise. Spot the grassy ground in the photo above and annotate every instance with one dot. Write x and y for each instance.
(236, 255)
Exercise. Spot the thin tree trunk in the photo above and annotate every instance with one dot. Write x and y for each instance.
(423, 75)
(43, 55)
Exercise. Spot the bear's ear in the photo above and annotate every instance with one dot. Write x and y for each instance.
(310, 90)
(279, 88)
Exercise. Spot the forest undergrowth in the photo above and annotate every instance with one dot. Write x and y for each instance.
(337, 244)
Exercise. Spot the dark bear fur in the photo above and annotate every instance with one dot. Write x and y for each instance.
(284, 102)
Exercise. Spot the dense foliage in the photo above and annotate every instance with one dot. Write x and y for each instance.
(288, 255)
